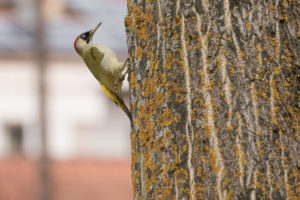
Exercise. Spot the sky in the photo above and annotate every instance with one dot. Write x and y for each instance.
(16, 28)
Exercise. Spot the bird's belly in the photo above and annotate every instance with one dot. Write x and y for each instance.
(109, 64)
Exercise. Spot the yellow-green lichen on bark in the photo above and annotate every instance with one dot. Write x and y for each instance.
(213, 92)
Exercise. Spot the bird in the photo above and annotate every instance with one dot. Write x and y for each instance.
(104, 65)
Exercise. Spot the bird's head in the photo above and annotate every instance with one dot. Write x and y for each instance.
(84, 38)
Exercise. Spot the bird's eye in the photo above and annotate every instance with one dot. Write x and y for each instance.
(85, 35)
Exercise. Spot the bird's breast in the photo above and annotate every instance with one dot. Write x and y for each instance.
(109, 61)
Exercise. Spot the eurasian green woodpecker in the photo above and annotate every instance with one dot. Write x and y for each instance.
(104, 65)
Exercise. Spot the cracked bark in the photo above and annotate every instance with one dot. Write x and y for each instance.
(214, 98)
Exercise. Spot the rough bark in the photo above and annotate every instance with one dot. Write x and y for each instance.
(214, 98)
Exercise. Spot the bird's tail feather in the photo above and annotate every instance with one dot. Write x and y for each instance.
(125, 109)
(119, 101)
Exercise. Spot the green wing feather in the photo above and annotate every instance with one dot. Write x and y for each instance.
(96, 55)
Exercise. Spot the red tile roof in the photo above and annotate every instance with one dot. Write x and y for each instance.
(71, 180)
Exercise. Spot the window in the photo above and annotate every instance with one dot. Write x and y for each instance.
(15, 137)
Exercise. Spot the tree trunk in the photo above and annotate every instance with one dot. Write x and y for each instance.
(214, 100)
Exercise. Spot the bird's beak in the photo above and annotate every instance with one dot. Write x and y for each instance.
(94, 30)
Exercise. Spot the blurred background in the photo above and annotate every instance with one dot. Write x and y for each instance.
(61, 137)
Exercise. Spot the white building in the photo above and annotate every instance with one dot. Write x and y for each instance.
(82, 120)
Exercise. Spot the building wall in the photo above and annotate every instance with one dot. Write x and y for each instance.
(82, 121)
